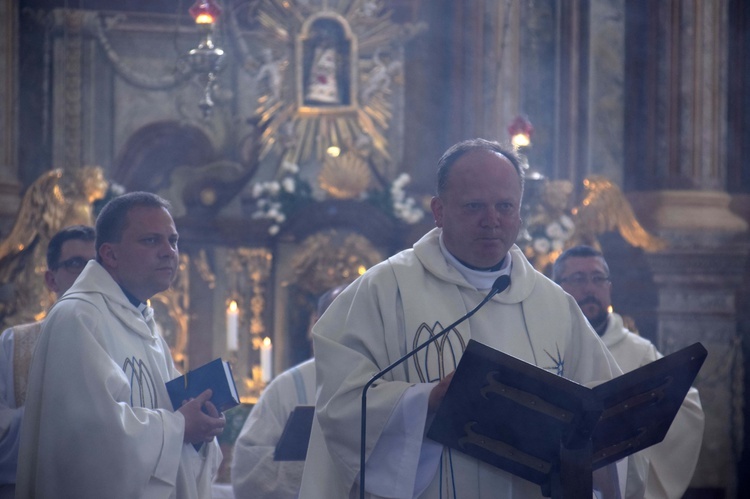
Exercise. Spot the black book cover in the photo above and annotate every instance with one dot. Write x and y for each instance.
(292, 445)
(516, 416)
(216, 375)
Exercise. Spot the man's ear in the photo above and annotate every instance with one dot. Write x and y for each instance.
(437, 210)
(108, 255)
(51, 282)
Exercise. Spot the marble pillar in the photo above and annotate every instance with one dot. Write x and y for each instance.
(678, 169)
(9, 185)
(67, 90)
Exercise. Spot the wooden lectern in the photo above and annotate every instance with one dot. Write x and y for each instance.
(551, 430)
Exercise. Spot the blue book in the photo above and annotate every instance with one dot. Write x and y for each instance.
(216, 375)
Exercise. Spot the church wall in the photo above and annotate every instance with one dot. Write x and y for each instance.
(650, 94)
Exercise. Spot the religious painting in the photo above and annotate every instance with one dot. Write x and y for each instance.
(326, 53)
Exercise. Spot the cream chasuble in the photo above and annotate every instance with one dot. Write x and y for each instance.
(399, 304)
(98, 420)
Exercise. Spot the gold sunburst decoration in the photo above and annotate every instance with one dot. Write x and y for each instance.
(326, 76)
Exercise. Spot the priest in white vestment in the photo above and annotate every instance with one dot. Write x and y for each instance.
(400, 303)
(255, 471)
(583, 272)
(68, 252)
(98, 421)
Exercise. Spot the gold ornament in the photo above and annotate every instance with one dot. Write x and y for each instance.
(57, 199)
(330, 258)
(346, 176)
(605, 208)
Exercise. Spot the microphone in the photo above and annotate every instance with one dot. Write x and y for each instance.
(500, 285)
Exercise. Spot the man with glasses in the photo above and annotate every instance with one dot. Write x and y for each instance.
(98, 421)
(583, 272)
(68, 253)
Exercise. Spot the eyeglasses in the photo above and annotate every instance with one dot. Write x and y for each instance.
(580, 280)
(75, 264)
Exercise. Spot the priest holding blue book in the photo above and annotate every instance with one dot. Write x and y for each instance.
(99, 421)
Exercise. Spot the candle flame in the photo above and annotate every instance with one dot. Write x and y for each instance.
(266, 341)
(233, 306)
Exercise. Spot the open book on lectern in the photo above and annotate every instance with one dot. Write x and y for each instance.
(517, 417)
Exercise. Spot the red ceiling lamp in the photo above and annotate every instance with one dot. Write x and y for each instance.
(205, 11)
(520, 132)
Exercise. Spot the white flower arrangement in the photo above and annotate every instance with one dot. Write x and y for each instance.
(394, 201)
(553, 236)
(404, 208)
(275, 200)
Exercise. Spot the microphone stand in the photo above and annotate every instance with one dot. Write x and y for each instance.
(500, 285)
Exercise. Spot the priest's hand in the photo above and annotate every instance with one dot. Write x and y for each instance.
(203, 421)
(438, 393)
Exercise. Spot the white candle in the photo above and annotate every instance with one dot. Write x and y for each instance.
(233, 315)
(266, 360)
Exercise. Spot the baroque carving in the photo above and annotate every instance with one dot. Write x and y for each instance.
(204, 269)
(55, 200)
(553, 224)
(331, 257)
(247, 273)
(326, 71)
(174, 324)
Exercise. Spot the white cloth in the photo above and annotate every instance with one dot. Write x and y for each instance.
(254, 471)
(98, 420)
(672, 461)
(10, 415)
(16, 349)
(392, 308)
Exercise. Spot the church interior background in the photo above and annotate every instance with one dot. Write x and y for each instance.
(297, 140)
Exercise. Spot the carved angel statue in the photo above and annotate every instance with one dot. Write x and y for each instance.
(381, 76)
(552, 225)
(271, 71)
(55, 200)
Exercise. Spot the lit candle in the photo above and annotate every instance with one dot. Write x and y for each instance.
(233, 315)
(266, 360)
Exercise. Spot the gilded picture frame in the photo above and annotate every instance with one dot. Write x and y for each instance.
(326, 65)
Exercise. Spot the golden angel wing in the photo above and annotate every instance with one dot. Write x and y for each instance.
(42, 204)
(604, 208)
(55, 200)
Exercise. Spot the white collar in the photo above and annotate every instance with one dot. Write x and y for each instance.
(480, 279)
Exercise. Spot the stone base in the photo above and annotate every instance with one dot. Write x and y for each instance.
(740, 205)
(686, 211)
(697, 279)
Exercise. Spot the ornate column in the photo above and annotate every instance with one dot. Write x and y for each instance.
(485, 80)
(676, 171)
(9, 186)
(67, 63)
